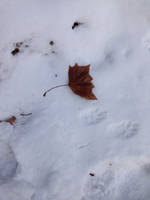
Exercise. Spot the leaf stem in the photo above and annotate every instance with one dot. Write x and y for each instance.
(54, 88)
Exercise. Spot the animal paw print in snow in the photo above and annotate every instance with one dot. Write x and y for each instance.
(93, 116)
(124, 129)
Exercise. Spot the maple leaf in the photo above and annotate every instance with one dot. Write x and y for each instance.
(79, 82)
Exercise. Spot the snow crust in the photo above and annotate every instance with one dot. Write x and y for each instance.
(49, 154)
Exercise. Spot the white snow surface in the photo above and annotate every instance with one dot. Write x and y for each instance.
(121, 179)
(49, 154)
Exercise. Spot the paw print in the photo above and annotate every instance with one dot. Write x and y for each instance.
(93, 116)
(124, 129)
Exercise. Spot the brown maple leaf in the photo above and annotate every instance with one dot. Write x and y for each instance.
(79, 82)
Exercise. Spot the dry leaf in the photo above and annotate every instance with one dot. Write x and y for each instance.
(92, 174)
(80, 81)
(15, 51)
(19, 44)
(76, 24)
(10, 120)
(52, 42)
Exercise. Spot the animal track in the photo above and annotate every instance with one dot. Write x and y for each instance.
(93, 116)
(146, 41)
(124, 129)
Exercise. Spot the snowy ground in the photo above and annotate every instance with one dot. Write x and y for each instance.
(48, 155)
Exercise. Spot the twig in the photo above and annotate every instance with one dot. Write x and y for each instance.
(25, 114)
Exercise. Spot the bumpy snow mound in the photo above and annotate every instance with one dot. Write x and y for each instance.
(127, 179)
(16, 190)
(8, 162)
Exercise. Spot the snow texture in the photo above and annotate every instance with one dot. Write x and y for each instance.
(16, 190)
(121, 179)
(8, 163)
(49, 154)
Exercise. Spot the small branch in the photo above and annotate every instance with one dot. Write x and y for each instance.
(54, 88)
(25, 114)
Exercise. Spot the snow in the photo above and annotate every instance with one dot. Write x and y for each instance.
(50, 153)
(16, 190)
(8, 164)
(120, 179)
